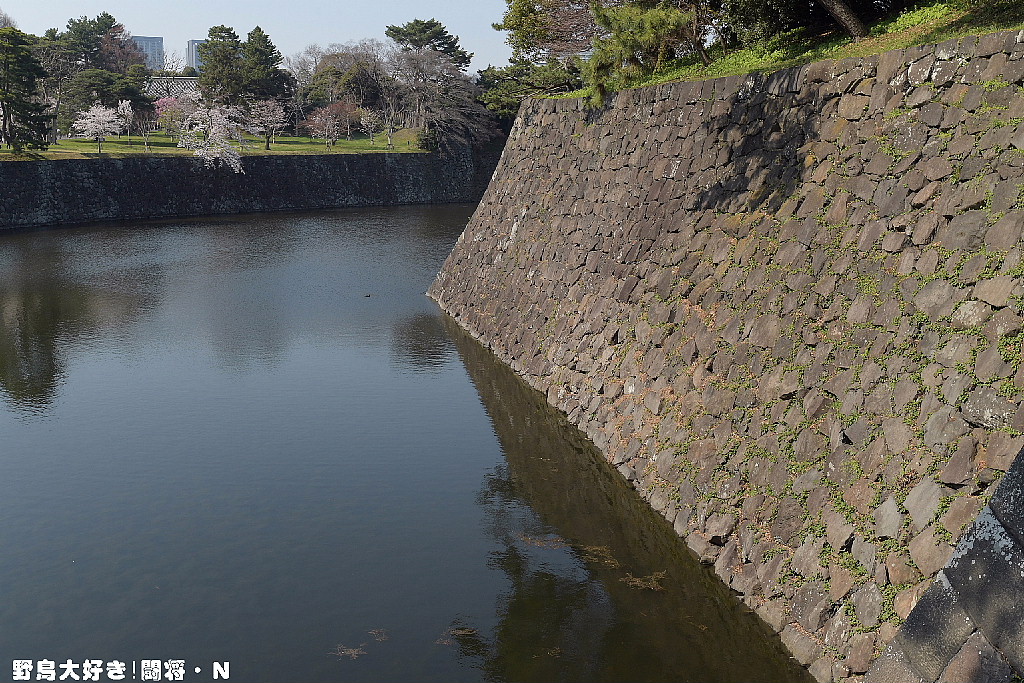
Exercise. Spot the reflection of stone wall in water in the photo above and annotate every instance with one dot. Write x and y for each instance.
(561, 477)
(420, 343)
(82, 190)
(788, 308)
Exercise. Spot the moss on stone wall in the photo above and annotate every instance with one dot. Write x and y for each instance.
(787, 307)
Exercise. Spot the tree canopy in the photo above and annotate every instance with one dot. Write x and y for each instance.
(99, 86)
(623, 41)
(221, 54)
(234, 70)
(539, 30)
(640, 37)
(101, 46)
(100, 43)
(429, 35)
(24, 122)
(262, 76)
(394, 85)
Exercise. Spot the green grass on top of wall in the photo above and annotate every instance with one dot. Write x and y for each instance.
(161, 145)
(921, 25)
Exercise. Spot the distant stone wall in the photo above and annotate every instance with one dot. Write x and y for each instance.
(788, 307)
(40, 193)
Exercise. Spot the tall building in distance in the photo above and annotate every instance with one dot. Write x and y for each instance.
(192, 54)
(154, 48)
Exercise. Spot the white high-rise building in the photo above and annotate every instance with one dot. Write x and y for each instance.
(192, 54)
(154, 48)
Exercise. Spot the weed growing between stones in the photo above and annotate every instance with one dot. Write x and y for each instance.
(795, 355)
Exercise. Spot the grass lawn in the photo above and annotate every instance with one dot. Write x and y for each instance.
(161, 144)
(931, 22)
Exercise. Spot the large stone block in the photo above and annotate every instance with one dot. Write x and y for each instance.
(1007, 503)
(985, 407)
(987, 557)
(935, 631)
(894, 665)
(977, 662)
(923, 501)
(964, 231)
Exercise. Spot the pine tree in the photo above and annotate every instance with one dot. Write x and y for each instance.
(638, 41)
(262, 78)
(221, 75)
(429, 35)
(23, 119)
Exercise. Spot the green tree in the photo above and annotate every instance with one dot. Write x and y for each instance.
(547, 38)
(325, 86)
(503, 89)
(429, 35)
(639, 41)
(83, 36)
(350, 76)
(98, 43)
(24, 122)
(757, 21)
(99, 86)
(539, 30)
(221, 77)
(61, 62)
(262, 77)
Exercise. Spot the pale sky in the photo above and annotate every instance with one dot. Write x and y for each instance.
(291, 25)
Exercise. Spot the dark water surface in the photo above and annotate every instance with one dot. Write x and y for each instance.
(254, 441)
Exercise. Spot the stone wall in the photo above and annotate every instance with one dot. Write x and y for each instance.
(75, 191)
(788, 308)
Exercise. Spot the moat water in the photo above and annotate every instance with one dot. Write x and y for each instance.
(253, 441)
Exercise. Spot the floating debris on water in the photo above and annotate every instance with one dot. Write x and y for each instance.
(447, 637)
(651, 582)
(553, 542)
(599, 554)
(350, 652)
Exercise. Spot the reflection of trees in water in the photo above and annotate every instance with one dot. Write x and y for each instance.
(421, 343)
(32, 319)
(627, 600)
(555, 617)
(59, 287)
(44, 312)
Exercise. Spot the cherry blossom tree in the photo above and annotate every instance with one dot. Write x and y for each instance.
(266, 117)
(146, 122)
(97, 122)
(171, 113)
(371, 122)
(324, 123)
(126, 115)
(215, 134)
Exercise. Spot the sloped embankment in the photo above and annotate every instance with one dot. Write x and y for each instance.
(788, 308)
